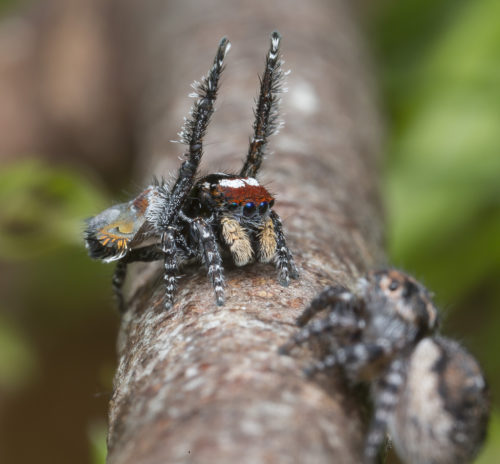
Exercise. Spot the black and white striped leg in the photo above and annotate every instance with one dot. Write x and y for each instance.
(283, 260)
(346, 322)
(386, 399)
(330, 296)
(353, 358)
(170, 256)
(211, 256)
(117, 283)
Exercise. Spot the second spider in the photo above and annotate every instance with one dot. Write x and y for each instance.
(428, 392)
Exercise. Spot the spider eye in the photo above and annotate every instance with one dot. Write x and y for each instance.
(271, 203)
(249, 209)
(263, 207)
(394, 285)
(233, 205)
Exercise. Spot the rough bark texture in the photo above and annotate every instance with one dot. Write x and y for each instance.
(205, 384)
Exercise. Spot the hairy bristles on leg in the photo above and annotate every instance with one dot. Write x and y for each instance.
(267, 242)
(283, 259)
(237, 240)
(192, 135)
(267, 120)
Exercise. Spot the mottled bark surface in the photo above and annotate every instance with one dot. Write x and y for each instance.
(205, 384)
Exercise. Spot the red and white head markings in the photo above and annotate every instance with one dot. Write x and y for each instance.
(238, 195)
(246, 193)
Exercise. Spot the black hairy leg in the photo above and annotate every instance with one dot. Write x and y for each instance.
(266, 114)
(211, 256)
(284, 261)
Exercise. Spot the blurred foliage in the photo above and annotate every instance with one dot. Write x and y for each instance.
(491, 452)
(443, 189)
(56, 314)
(7, 5)
(97, 437)
(15, 346)
(440, 70)
(42, 210)
(41, 227)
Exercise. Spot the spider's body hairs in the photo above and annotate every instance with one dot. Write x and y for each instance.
(193, 219)
(428, 392)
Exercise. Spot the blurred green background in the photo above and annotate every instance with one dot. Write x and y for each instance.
(439, 72)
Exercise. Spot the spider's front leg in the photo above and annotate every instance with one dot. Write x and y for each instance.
(266, 114)
(209, 250)
(358, 360)
(386, 394)
(169, 250)
(341, 318)
(330, 296)
(347, 323)
(283, 259)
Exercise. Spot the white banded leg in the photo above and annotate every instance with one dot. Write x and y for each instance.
(386, 399)
(283, 260)
(210, 252)
(330, 296)
(352, 358)
(169, 249)
(334, 320)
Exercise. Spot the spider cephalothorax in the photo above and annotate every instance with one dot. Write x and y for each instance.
(245, 219)
(193, 219)
(428, 392)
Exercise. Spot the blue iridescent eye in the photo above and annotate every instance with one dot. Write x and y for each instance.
(263, 207)
(233, 205)
(249, 209)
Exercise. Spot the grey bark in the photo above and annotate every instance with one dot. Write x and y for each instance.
(205, 384)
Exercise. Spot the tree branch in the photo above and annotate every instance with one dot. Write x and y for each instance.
(201, 383)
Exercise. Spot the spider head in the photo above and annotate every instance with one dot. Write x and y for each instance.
(241, 197)
(407, 298)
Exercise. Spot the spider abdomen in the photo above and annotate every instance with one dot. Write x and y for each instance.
(109, 235)
(442, 413)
